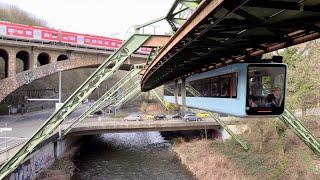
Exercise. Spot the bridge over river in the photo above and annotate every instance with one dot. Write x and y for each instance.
(106, 125)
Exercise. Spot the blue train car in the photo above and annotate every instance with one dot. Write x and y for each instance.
(243, 89)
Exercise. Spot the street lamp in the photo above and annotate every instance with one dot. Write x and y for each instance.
(154, 28)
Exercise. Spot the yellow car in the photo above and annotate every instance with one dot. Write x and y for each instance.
(203, 114)
(148, 117)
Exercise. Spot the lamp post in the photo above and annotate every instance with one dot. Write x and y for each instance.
(154, 28)
(59, 86)
(60, 102)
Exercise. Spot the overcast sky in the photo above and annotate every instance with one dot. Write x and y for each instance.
(99, 17)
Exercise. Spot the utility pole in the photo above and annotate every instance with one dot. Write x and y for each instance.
(60, 86)
(60, 102)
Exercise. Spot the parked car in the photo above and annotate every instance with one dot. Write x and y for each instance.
(133, 117)
(177, 116)
(191, 117)
(160, 117)
(148, 116)
(99, 112)
(203, 114)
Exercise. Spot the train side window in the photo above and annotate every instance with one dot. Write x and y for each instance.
(87, 40)
(20, 32)
(11, 30)
(223, 86)
(29, 33)
(46, 35)
(234, 84)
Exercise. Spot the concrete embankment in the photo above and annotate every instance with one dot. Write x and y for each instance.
(50, 158)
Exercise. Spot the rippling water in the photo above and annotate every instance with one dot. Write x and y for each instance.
(142, 155)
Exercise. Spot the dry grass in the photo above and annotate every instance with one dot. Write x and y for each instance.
(152, 108)
(204, 162)
(288, 158)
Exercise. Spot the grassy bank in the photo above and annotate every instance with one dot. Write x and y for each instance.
(271, 155)
(204, 162)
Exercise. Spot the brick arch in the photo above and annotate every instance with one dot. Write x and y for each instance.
(43, 59)
(62, 57)
(22, 61)
(4, 63)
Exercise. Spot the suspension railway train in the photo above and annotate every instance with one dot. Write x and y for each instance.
(242, 89)
(22, 32)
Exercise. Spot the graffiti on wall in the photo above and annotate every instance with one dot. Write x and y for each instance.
(37, 162)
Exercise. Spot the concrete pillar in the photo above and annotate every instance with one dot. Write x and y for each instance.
(183, 93)
(70, 55)
(11, 63)
(33, 58)
(175, 91)
(53, 57)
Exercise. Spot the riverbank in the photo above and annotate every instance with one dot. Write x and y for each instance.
(204, 163)
(63, 168)
(271, 156)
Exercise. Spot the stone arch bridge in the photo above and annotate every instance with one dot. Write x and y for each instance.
(23, 62)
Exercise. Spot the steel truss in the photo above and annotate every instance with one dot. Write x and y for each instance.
(101, 74)
(135, 90)
(154, 92)
(216, 117)
(108, 97)
(177, 15)
(301, 131)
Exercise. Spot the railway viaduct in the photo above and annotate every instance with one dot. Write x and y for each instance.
(24, 62)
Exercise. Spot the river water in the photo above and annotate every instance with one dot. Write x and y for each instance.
(144, 155)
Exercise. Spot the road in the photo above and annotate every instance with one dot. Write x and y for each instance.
(24, 126)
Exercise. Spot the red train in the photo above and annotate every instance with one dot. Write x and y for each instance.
(46, 35)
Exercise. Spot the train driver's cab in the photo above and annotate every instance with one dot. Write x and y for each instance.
(266, 84)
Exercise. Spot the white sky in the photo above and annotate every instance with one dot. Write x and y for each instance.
(99, 17)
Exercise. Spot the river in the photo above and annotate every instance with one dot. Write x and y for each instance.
(144, 155)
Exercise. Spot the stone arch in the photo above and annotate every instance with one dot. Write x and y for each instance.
(43, 59)
(62, 57)
(22, 61)
(4, 64)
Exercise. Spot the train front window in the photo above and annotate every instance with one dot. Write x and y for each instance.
(266, 89)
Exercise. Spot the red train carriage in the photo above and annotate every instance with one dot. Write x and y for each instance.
(16, 30)
(47, 35)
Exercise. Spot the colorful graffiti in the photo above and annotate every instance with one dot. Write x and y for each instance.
(37, 162)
